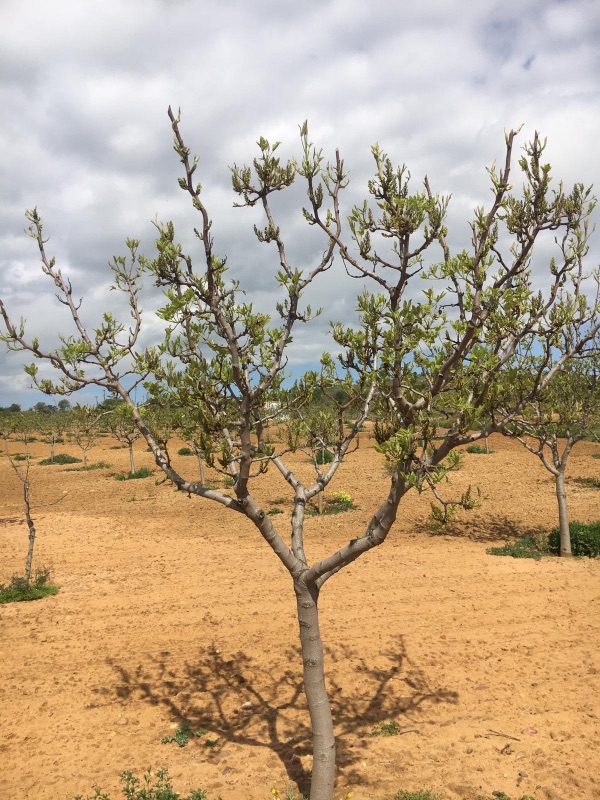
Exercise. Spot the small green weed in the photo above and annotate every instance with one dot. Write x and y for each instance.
(185, 451)
(340, 501)
(477, 448)
(118, 447)
(585, 539)
(157, 787)
(90, 467)
(183, 735)
(420, 794)
(595, 455)
(527, 547)
(588, 483)
(60, 458)
(142, 472)
(19, 589)
(273, 511)
(502, 796)
(212, 743)
(290, 794)
(335, 503)
(20, 457)
(390, 728)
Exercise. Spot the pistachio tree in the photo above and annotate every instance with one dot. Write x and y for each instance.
(123, 428)
(554, 421)
(427, 349)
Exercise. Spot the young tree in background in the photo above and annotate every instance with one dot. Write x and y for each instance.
(21, 427)
(553, 422)
(430, 349)
(52, 427)
(121, 424)
(84, 429)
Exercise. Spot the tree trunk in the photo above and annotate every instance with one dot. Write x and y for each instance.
(31, 527)
(201, 467)
(323, 770)
(131, 461)
(563, 516)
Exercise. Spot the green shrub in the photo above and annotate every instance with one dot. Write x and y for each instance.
(20, 457)
(161, 788)
(273, 511)
(19, 589)
(323, 457)
(477, 448)
(595, 455)
(585, 539)
(185, 451)
(142, 472)
(420, 794)
(60, 458)
(527, 547)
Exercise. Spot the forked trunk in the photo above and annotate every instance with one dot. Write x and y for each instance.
(323, 770)
(563, 516)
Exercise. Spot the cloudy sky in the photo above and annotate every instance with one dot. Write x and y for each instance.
(85, 86)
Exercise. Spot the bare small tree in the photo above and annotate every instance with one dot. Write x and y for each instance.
(21, 429)
(438, 349)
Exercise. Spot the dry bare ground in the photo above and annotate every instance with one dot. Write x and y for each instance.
(172, 612)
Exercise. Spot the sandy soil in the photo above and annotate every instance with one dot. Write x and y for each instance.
(170, 611)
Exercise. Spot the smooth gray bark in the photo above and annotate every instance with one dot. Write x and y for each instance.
(131, 459)
(323, 770)
(563, 515)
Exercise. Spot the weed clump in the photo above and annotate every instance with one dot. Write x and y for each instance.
(60, 458)
(588, 483)
(182, 736)
(90, 467)
(527, 547)
(157, 787)
(323, 457)
(585, 539)
(477, 448)
(20, 589)
(142, 472)
(390, 728)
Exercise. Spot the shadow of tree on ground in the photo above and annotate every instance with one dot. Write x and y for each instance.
(484, 529)
(236, 700)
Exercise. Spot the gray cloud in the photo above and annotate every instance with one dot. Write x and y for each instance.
(85, 137)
